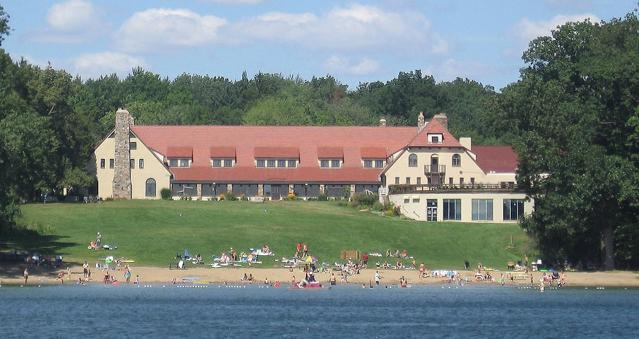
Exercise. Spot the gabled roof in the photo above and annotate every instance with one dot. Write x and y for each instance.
(179, 152)
(496, 159)
(374, 153)
(434, 127)
(330, 152)
(222, 152)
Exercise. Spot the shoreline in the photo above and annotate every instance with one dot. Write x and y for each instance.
(221, 276)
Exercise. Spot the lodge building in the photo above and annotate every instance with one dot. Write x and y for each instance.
(426, 171)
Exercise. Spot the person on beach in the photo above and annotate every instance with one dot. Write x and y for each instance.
(127, 275)
(26, 275)
(298, 249)
(333, 280)
(403, 282)
(85, 269)
(107, 276)
(378, 277)
(422, 270)
(137, 280)
(305, 249)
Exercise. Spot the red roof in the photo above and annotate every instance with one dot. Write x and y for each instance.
(283, 175)
(373, 153)
(497, 159)
(434, 127)
(330, 152)
(276, 152)
(179, 152)
(222, 152)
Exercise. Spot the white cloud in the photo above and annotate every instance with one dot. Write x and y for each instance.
(357, 27)
(528, 30)
(95, 64)
(73, 21)
(339, 65)
(159, 28)
(72, 15)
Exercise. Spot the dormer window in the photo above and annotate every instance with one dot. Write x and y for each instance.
(435, 138)
(222, 162)
(179, 162)
(276, 163)
(330, 163)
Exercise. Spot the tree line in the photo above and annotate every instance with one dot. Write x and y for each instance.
(573, 117)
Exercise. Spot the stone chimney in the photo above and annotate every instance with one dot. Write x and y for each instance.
(442, 118)
(382, 122)
(122, 170)
(420, 121)
(466, 142)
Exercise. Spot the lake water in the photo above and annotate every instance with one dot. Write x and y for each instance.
(346, 312)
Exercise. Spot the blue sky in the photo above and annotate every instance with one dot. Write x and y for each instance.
(358, 41)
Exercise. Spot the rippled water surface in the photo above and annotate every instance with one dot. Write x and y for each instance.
(346, 312)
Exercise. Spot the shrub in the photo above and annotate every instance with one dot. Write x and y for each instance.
(243, 197)
(229, 196)
(378, 206)
(322, 197)
(166, 194)
(291, 196)
(365, 199)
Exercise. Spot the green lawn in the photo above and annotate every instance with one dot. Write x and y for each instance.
(151, 232)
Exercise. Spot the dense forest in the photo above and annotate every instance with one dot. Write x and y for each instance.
(573, 117)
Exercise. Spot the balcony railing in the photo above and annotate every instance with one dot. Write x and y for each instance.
(465, 188)
(434, 169)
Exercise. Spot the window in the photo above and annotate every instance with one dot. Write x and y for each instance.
(217, 162)
(150, 188)
(379, 163)
(406, 200)
(472, 181)
(435, 139)
(132, 163)
(335, 163)
(184, 162)
(415, 200)
(456, 160)
(412, 160)
(111, 163)
(407, 180)
(260, 163)
(270, 163)
(419, 180)
(452, 209)
(133, 146)
(102, 163)
(461, 181)
(324, 163)
(482, 209)
(228, 162)
(450, 181)
(513, 209)
(368, 163)
(173, 163)
(396, 180)
(292, 163)
(141, 164)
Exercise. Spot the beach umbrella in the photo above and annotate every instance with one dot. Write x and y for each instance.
(108, 260)
(309, 259)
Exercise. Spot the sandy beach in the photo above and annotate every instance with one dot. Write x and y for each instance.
(205, 275)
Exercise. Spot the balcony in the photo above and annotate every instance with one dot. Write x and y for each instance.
(434, 169)
(461, 188)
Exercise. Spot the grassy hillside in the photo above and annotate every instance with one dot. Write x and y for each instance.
(151, 232)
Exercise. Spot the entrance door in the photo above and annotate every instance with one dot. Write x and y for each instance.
(431, 210)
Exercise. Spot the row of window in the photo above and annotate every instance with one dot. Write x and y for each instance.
(482, 209)
(418, 181)
(276, 163)
(412, 160)
(368, 163)
(112, 163)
